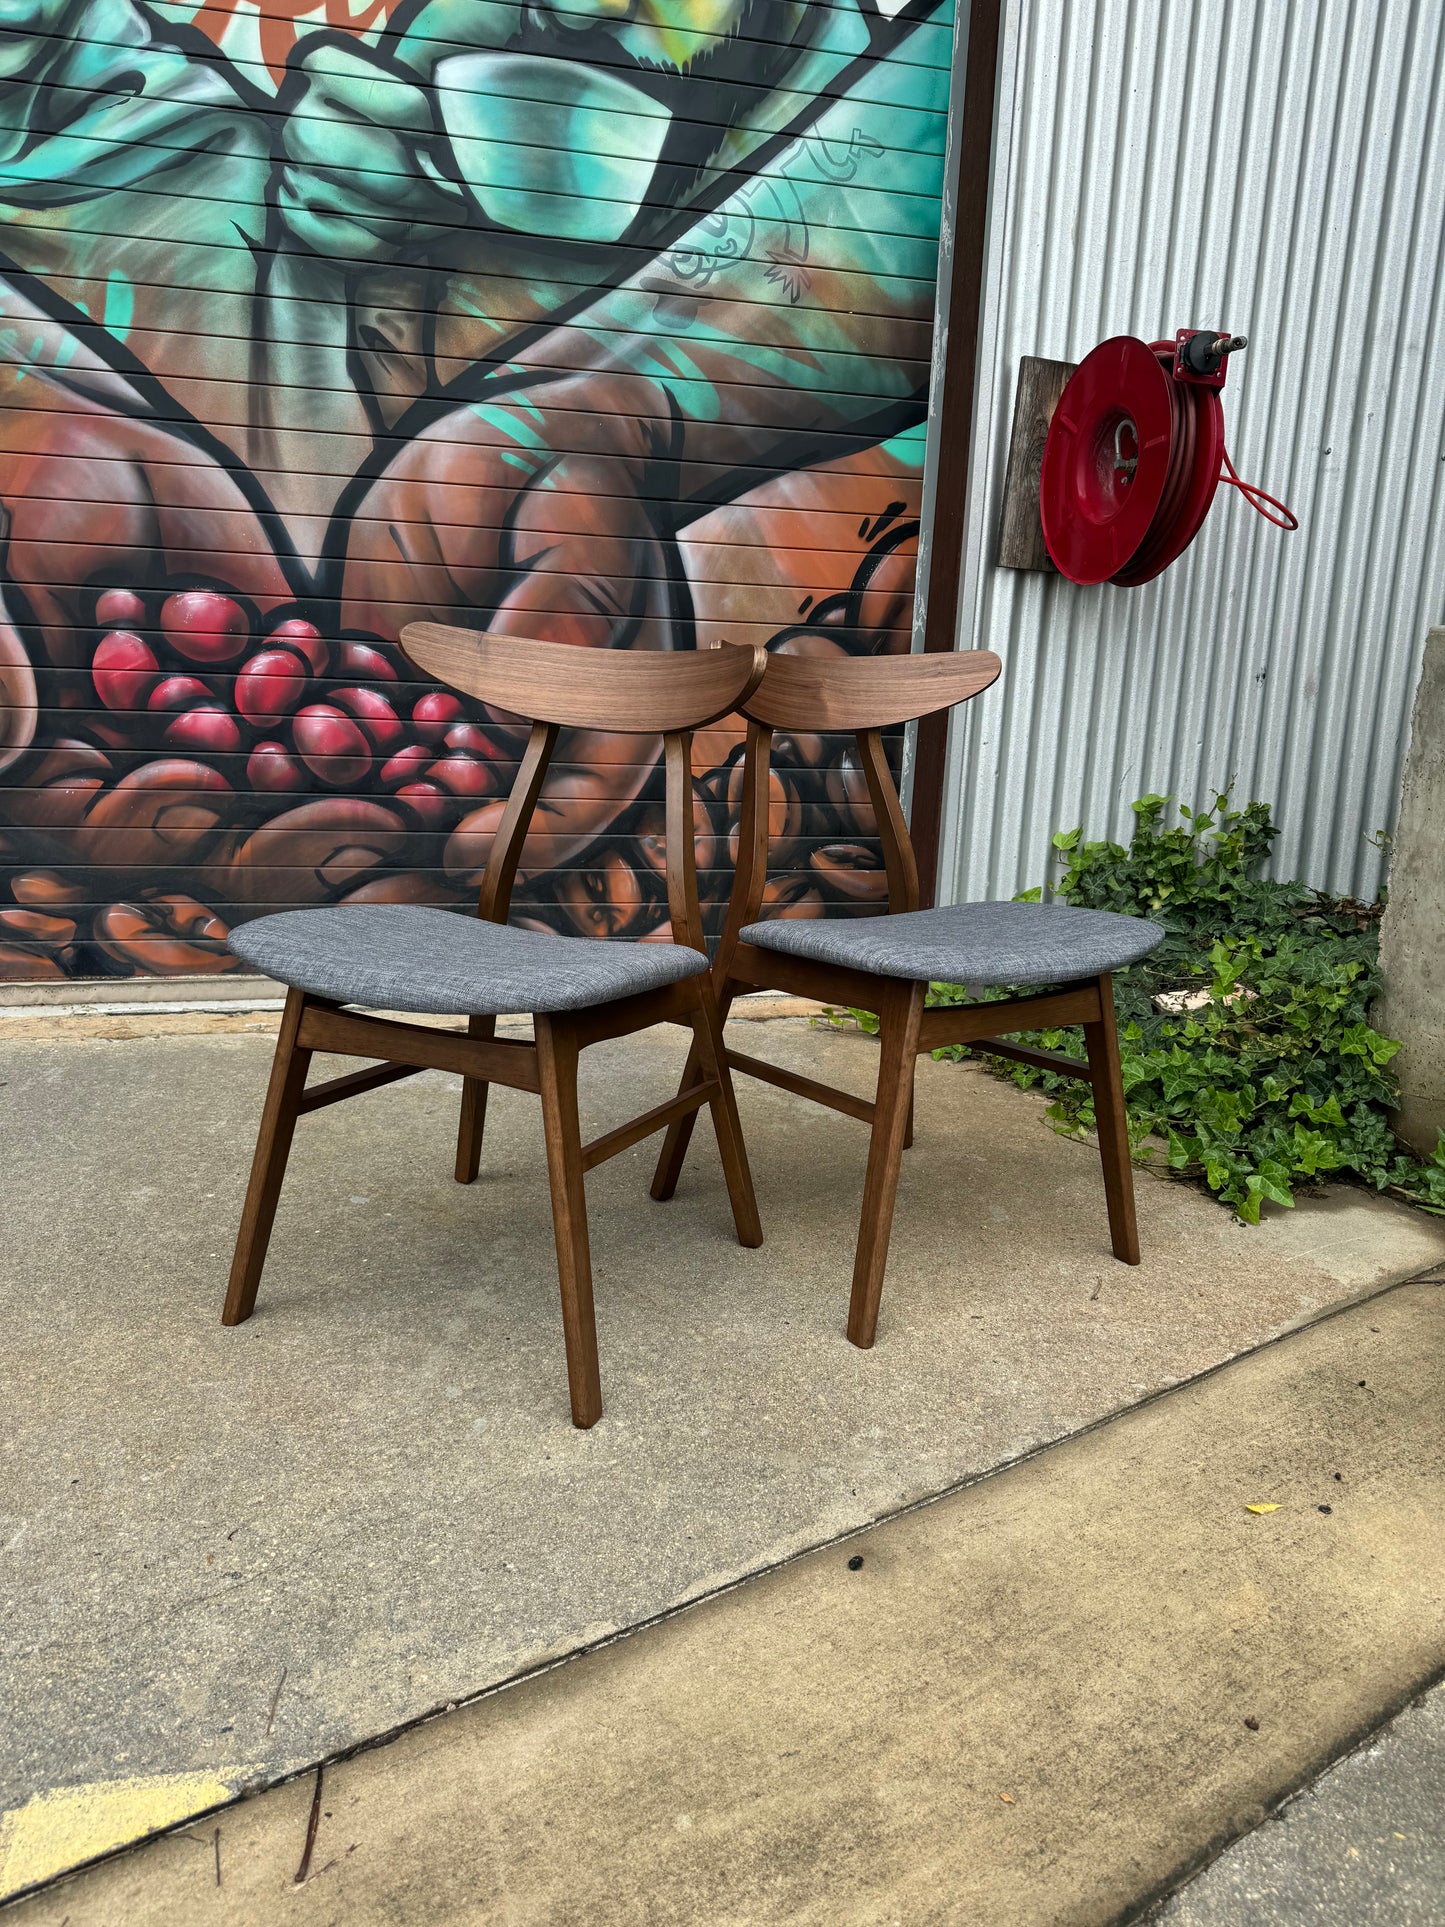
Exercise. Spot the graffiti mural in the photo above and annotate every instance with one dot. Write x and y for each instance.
(608, 323)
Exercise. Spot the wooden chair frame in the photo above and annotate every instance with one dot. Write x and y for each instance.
(867, 695)
(553, 686)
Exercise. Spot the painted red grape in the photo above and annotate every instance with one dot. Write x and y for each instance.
(331, 744)
(119, 607)
(270, 686)
(305, 637)
(464, 776)
(271, 767)
(406, 763)
(179, 692)
(469, 737)
(207, 731)
(431, 804)
(205, 627)
(359, 662)
(124, 669)
(434, 714)
(375, 714)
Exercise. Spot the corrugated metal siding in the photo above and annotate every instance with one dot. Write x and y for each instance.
(1279, 169)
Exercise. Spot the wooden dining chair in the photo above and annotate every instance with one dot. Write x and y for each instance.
(412, 957)
(884, 964)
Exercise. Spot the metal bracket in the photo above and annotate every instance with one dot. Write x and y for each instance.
(1200, 355)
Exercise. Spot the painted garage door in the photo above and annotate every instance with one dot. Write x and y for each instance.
(608, 324)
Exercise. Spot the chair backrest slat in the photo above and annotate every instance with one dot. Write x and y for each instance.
(495, 900)
(682, 903)
(752, 865)
(643, 692)
(899, 862)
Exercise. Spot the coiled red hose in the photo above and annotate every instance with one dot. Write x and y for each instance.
(1255, 496)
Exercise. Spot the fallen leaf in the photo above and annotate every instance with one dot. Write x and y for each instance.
(1261, 1508)
(1007, 1799)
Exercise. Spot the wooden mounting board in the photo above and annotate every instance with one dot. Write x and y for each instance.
(1021, 534)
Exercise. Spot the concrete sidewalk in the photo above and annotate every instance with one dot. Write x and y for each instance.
(1040, 1700)
(229, 1554)
(1363, 1847)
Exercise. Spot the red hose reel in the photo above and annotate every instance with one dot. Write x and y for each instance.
(1134, 454)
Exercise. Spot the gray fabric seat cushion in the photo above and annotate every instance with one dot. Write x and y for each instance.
(969, 943)
(405, 956)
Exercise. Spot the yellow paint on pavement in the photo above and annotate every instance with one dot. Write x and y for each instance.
(66, 1826)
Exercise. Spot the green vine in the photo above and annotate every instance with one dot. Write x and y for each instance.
(1275, 1079)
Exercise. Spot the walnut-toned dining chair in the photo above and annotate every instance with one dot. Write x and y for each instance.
(412, 957)
(885, 963)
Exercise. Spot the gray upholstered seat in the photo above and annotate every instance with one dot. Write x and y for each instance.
(404, 956)
(969, 943)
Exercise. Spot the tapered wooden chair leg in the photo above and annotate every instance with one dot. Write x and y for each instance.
(1111, 1121)
(268, 1167)
(899, 1022)
(908, 1126)
(673, 1155)
(708, 1048)
(557, 1065)
(474, 1110)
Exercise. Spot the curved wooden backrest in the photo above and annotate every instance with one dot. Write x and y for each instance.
(643, 692)
(556, 686)
(833, 691)
(826, 690)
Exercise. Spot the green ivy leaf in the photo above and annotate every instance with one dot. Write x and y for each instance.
(1359, 1040)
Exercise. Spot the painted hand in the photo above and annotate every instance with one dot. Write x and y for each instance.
(361, 175)
(549, 514)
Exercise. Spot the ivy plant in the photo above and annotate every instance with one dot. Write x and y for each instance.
(1273, 1078)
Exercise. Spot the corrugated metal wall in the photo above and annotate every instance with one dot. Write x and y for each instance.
(1278, 168)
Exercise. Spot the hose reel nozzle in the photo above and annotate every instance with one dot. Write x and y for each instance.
(1200, 352)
